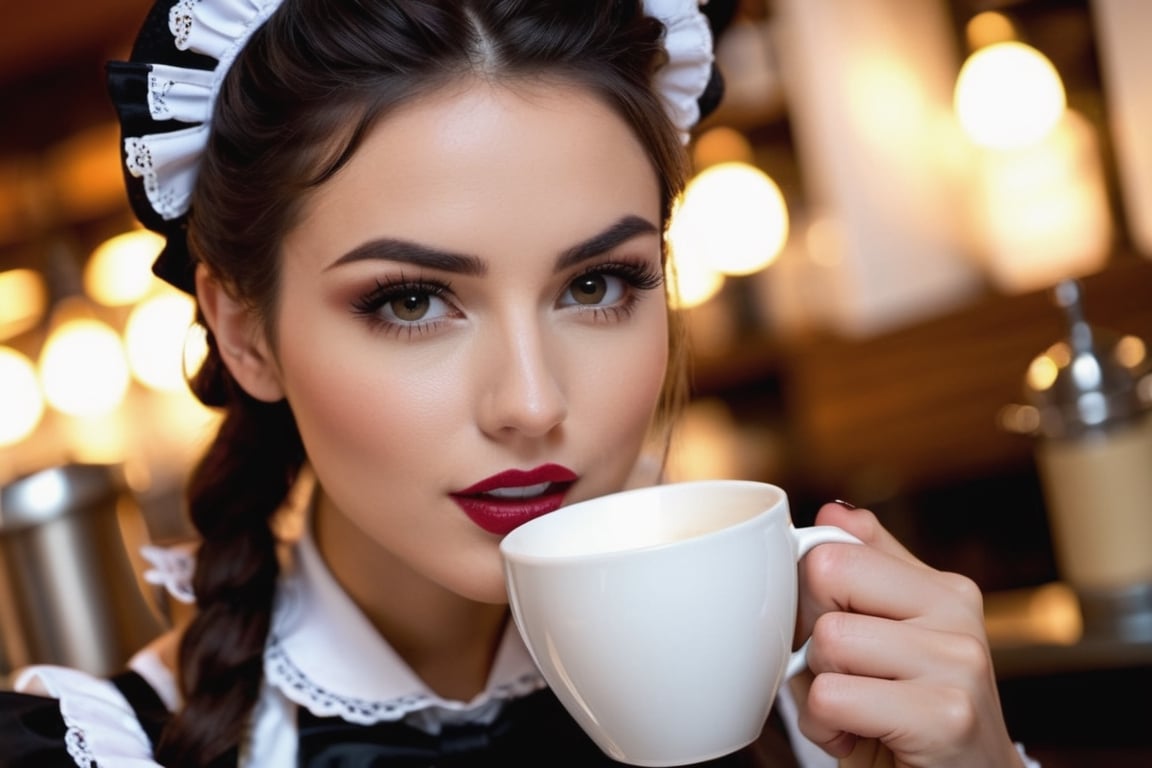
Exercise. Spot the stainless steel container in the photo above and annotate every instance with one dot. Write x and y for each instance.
(1092, 394)
(68, 592)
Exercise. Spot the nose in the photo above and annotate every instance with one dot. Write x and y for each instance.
(522, 390)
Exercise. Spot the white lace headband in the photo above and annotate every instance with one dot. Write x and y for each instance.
(167, 162)
(166, 108)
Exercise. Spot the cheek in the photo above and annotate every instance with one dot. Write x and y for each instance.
(627, 385)
(643, 376)
(360, 410)
(648, 361)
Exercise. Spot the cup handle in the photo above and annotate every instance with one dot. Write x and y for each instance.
(807, 538)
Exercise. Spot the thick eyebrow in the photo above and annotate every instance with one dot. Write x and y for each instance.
(408, 252)
(621, 232)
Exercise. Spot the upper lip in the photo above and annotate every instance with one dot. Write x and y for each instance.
(516, 478)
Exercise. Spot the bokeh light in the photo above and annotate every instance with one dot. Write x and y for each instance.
(23, 301)
(1044, 209)
(1008, 95)
(119, 271)
(195, 350)
(732, 217)
(82, 368)
(22, 405)
(691, 279)
(693, 282)
(721, 144)
(988, 28)
(1042, 373)
(1131, 352)
(154, 340)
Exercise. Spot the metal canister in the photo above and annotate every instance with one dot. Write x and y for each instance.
(68, 591)
(1092, 395)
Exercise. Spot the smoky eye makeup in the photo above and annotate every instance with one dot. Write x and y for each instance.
(405, 305)
(409, 305)
(611, 289)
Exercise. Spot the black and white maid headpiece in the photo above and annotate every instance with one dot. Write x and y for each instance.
(164, 96)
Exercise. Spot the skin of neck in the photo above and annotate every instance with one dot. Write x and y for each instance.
(449, 641)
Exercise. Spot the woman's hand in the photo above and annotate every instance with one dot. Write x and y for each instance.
(901, 673)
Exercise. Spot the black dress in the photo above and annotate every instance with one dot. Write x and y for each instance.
(531, 731)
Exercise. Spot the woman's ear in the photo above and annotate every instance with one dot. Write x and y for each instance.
(240, 338)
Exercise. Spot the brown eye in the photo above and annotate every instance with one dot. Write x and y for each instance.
(589, 289)
(410, 307)
(413, 306)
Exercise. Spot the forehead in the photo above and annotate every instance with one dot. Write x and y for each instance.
(475, 156)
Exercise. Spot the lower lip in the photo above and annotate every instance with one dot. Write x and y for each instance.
(501, 516)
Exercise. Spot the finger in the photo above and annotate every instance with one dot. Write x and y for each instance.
(867, 580)
(840, 745)
(873, 647)
(864, 525)
(923, 724)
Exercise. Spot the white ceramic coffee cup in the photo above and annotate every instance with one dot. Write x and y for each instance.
(663, 617)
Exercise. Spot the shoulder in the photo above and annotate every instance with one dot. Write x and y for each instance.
(32, 731)
(57, 716)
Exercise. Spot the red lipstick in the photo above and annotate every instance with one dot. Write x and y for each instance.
(511, 498)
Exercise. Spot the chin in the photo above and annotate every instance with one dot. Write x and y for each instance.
(495, 594)
(481, 582)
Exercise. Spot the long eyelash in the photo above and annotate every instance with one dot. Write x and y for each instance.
(640, 277)
(389, 290)
(368, 305)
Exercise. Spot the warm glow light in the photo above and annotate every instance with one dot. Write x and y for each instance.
(721, 145)
(709, 443)
(732, 217)
(154, 339)
(23, 301)
(693, 283)
(1044, 208)
(1056, 611)
(120, 269)
(1045, 615)
(195, 350)
(890, 106)
(691, 279)
(1020, 419)
(1130, 351)
(99, 439)
(21, 405)
(989, 28)
(82, 368)
(1008, 95)
(1061, 354)
(1042, 373)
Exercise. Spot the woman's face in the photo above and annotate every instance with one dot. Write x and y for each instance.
(471, 326)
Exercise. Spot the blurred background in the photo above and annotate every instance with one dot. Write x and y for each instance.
(916, 266)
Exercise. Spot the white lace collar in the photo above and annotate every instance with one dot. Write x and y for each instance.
(325, 655)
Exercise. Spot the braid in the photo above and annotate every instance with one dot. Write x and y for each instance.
(233, 493)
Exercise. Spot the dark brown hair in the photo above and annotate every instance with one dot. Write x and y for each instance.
(293, 109)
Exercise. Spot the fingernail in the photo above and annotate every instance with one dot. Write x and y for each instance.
(845, 504)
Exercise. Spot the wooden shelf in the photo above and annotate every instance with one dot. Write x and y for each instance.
(920, 404)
